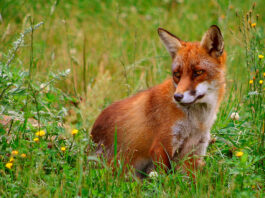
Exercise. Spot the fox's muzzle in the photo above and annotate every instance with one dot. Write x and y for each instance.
(191, 96)
(178, 97)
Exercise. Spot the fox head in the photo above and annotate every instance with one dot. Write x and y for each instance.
(197, 67)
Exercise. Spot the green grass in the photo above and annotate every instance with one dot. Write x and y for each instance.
(88, 54)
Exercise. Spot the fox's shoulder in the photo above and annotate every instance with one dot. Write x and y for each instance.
(145, 101)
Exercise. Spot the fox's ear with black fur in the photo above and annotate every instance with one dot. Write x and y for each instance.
(213, 41)
(171, 42)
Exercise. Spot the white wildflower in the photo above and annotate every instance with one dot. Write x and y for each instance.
(234, 116)
(153, 174)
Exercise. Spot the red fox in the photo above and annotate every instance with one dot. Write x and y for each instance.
(173, 119)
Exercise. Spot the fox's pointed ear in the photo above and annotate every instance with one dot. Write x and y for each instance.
(171, 42)
(213, 41)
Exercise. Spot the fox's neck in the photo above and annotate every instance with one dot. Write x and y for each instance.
(199, 112)
(204, 114)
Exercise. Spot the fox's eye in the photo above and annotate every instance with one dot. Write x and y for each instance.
(198, 73)
(177, 74)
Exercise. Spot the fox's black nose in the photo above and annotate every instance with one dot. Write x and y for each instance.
(178, 97)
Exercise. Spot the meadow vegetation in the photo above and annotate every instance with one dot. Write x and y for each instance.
(62, 62)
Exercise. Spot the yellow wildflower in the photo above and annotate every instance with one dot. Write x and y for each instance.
(40, 133)
(261, 56)
(239, 153)
(36, 139)
(63, 148)
(251, 82)
(23, 155)
(74, 132)
(260, 82)
(11, 160)
(14, 152)
(253, 25)
(264, 74)
(9, 165)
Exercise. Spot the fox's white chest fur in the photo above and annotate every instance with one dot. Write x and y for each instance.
(192, 133)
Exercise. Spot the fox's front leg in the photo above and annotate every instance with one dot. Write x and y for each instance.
(193, 151)
(201, 149)
(160, 156)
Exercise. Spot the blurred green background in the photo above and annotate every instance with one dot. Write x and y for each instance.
(120, 37)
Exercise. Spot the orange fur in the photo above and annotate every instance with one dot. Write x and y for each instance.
(145, 122)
